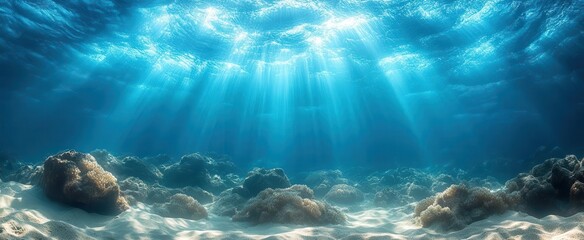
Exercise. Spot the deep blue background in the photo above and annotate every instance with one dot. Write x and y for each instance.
(295, 84)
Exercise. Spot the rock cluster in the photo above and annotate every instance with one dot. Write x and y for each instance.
(552, 187)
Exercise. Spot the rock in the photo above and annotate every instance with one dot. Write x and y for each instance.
(182, 206)
(459, 206)
(547, 188)
(134, 190)
(198, 194)
(103, 157)
(220, 183)
(196, 170)
(78, 180)
(230, 202)
(577, 194)
(344, 194)
(127, 166)
(259, 179)
(134, 167)
(561, 180)
(294, 205)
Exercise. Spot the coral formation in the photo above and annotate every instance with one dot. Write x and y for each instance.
(77, 179)
(181, 206)
(344, 194)
(459, 206)
(294, 205)
(259, 179)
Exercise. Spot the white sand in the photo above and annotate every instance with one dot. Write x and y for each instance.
(26, 214)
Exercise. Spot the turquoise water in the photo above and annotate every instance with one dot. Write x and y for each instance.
(295, 84)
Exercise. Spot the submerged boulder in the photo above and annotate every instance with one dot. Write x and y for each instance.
(295, 205)
(577, 194)
(78, 180)
(259, 179)
(344, 194)
(459, 206)
(230, 202)
(182, 206)
(134, 167)
(198, 170)
(549, 188)
(127, 167)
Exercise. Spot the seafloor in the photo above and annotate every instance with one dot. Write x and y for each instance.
(74, 195)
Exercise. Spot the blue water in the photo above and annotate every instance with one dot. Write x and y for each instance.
(294, 84)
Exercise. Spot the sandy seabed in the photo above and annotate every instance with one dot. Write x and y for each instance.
(25, 213)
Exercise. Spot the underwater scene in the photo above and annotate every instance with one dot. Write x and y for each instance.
(291, 119)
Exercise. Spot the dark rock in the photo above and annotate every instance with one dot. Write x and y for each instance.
(198, 171)
(77, 179)
(259, 179)
(577, 194)
(230, 202)
(134, 167)
(547, 189)
(561, 180)
(127, 167)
